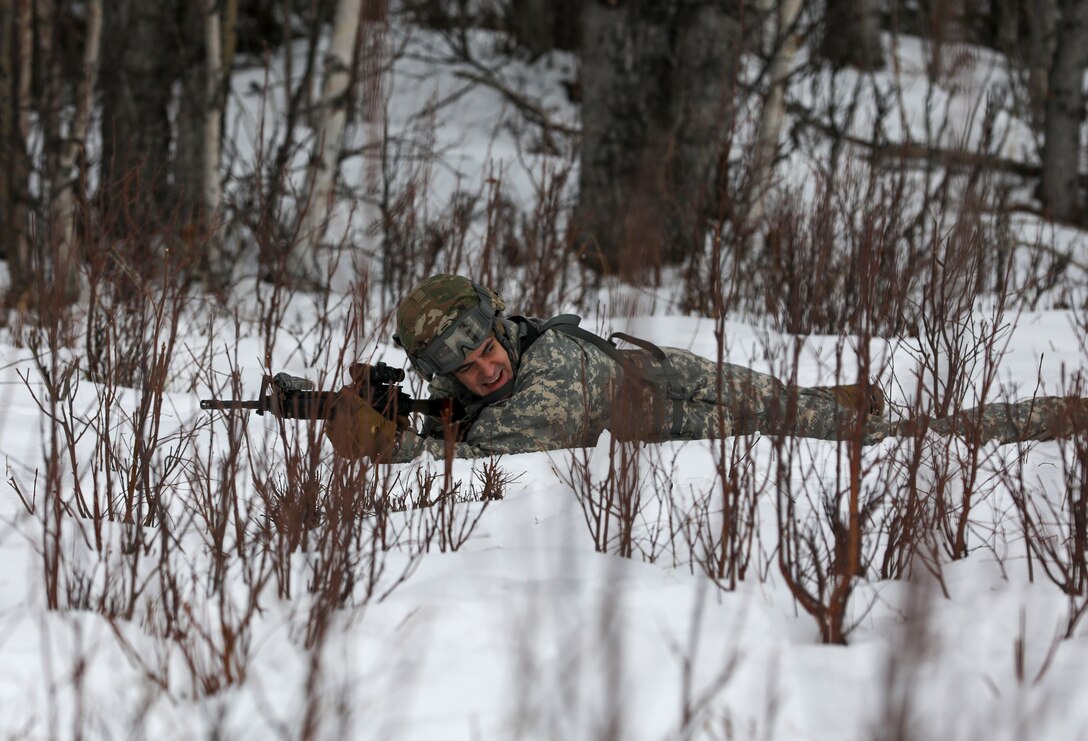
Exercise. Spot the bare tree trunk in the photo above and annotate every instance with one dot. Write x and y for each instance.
(657, 83)
(543, 25)
(1040, 26)
(141, 56)
(705, 56)
(16, 44)
(48, 103)
(332, 118)
(851, 35)
(787, 40)
(8, 127)
(192, 112)
(228, 38)
(62, 203)
(1024, 31)
(1060, 189)
(216, 82)
(1006, 24)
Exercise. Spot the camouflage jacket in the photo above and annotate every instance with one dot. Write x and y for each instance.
(567, 391)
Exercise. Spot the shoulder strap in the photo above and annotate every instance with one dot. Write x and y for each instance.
(568, 325)
(565, 323)
(527, 332)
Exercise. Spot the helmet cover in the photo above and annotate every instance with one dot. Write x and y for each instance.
(435, 310)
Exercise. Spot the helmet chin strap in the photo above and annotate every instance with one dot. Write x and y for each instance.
(502, 334)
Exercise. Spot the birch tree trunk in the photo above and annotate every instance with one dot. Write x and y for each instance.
(211, 189)
(62, 203)
(332, 110)
(213, 116)
(206, 49)
(787, 39)
(1060, 186)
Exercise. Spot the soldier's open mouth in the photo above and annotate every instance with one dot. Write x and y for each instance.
(495, 382)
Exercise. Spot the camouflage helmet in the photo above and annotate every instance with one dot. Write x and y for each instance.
(444, 318)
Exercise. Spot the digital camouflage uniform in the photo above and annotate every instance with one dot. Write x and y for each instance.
(567, 391)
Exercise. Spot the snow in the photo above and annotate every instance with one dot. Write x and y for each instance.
(527, 630)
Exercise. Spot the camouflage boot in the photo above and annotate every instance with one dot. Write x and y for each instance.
(1064, 417)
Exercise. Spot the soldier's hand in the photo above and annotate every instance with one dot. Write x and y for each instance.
(356, 429)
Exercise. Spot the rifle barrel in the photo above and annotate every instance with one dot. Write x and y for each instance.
(320, 404)
(228, 405)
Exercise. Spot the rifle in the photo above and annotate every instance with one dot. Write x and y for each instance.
(291, 397)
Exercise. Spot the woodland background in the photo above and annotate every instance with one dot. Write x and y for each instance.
(194, 195)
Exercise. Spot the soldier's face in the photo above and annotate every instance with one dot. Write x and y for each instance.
(486, 369)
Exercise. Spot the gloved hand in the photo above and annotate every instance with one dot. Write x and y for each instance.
(357, 429)
(869, 398)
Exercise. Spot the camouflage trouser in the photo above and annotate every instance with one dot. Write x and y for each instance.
(1041, 418)
(749, 401)
(734, 400)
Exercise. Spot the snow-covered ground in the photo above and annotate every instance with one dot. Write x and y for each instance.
(527, 630)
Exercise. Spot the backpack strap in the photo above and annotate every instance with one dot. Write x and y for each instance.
(677, 393)
(530, 332)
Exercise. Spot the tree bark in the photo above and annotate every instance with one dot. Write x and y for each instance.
(1059, 188)
(192, 111)
(8, 129)
(228, 38)
(332, 111)
(657, 83)
(140, 55)
(16, 43)
(851, 36)
(1040, 25)
(1005, 15)
(48, 102)
(543, 25)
